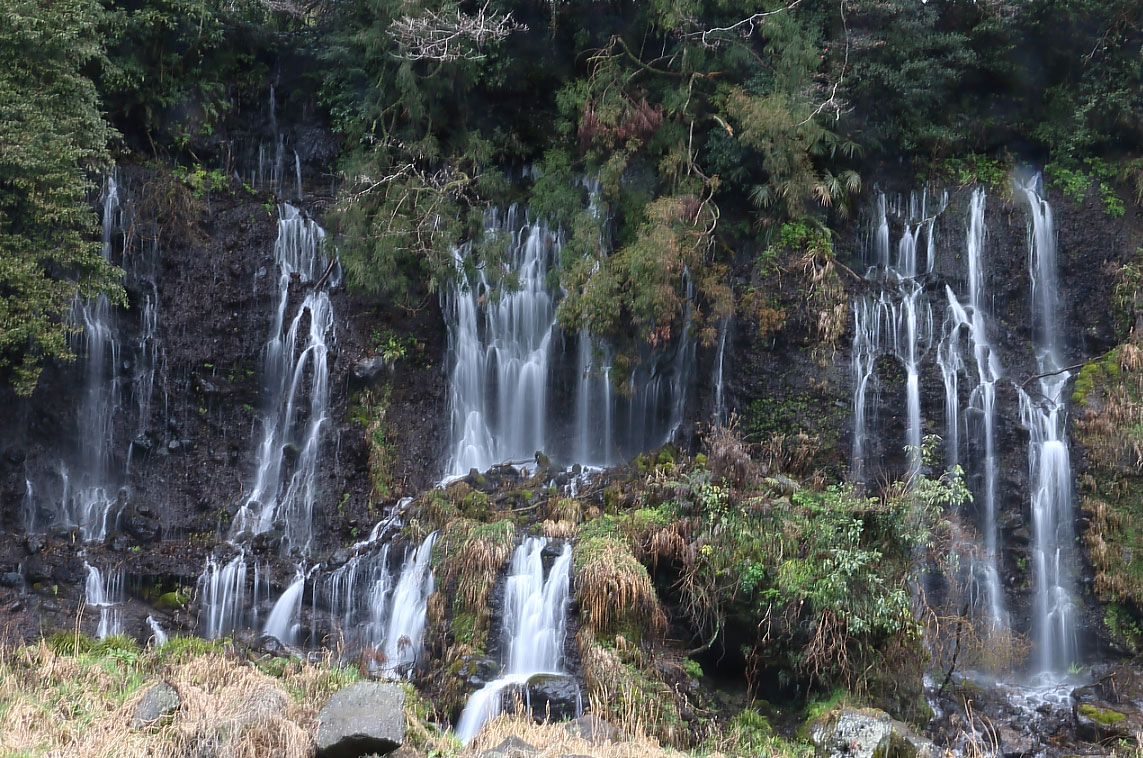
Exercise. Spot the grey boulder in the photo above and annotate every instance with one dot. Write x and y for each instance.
(160, 701)
(866, 733)
(362, 719)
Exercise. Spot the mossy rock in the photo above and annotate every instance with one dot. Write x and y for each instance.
(172, 600)
(1104, 716)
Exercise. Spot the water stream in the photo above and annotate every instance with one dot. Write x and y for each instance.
(106, 594)
(295, 380)
(896, 320)
(509, 362)
(535, 623)
(1049, 463)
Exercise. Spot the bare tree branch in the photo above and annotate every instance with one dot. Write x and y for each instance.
(743, 28)
(450, 35)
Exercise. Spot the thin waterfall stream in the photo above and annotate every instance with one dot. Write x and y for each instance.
(1049, 462)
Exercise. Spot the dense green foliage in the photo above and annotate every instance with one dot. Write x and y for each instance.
(663, 136)
(51, 135)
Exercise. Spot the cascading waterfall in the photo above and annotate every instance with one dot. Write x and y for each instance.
(222, 593)
(500, 349)
(718, 415)
(535, 623)
(295, 379)
(388, 628)
(90, 501)
(405, 632)
(106, 594)
(506, 354)
(1049, 464)
(296, 384)
(148, 352)
(158, 636)
(29, 506)
(971, 319)
(285, 616)
(897, 322)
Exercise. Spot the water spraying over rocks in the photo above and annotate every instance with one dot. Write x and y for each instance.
(535, 622)
(106, 594)
(90, 500)
(285, 617)
(975, 428)
(295, 378)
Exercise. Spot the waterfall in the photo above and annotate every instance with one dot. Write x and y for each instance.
(500, 347)
(106, 595)
(972, 320)
(371, 616)
(148, 352)
(222, 595)
(158, 636)
(29, 506)
(90, 502)
(897, 321)
(535, 619)
(285, 616)
(507, 356)
(405, 633)
(295, 376)
(718, 415)
(1049, 464)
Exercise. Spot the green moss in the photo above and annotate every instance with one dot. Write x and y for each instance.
(1104, 716)
(172, 600)
(1095, 374)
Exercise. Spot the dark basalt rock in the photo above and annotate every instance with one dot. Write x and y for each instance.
(139, 526)
(554, 697)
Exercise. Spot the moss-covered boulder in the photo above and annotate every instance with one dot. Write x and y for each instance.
(1106, 709)
(866, 733)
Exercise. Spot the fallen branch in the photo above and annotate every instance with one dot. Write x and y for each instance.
(328, 271)
(1068, 368)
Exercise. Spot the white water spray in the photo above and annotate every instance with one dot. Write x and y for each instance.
(535, 623)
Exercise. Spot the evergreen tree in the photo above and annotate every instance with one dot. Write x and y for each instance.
(52, 137)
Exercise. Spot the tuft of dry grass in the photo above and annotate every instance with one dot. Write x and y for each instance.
(614, 589)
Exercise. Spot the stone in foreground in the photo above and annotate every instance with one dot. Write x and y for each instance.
(362, 719)
(866, 733)
(160, 701)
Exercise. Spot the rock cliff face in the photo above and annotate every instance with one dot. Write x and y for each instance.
(185, 391)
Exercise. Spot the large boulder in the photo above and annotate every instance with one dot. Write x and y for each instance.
(362, 719)
(593, 729)
(866, 733)
(554, 697)
(157, 704)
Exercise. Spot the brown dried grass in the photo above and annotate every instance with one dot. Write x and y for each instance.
(61, 705)
(553, 740)
(614, 589)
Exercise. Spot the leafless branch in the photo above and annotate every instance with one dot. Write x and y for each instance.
(743, 28)
(831, 101)
(450, 35)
